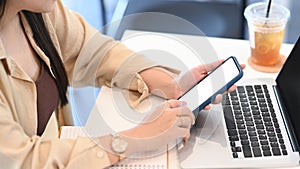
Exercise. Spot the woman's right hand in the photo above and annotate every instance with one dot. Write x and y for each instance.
(168, 122)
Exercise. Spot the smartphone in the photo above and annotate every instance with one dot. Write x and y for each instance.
(215, 82)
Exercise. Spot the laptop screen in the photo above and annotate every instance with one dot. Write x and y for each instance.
(288, 82)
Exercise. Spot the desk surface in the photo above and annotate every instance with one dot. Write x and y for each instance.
(225, 47)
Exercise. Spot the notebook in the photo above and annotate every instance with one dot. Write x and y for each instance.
(255, 126)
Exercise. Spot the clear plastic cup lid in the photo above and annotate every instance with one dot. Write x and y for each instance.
(257, 12)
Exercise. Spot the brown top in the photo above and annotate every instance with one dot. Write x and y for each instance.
(47, 98)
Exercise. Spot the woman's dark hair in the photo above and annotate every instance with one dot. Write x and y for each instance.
(44, 41)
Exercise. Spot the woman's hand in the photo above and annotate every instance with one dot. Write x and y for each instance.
(168, 122)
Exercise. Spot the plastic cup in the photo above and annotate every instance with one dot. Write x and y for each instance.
(266, 35)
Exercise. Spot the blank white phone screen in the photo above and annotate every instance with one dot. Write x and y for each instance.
(210, 85)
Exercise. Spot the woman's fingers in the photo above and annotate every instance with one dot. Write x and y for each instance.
(184, 122)
(186, 112)
(211, 66)
(243, 66)
(174, 103)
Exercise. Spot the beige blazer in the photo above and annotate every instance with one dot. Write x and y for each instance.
(90, 59)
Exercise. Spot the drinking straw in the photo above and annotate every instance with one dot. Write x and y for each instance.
(268, 9)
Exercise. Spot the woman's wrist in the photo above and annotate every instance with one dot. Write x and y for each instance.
(165, 87)
(119, 146)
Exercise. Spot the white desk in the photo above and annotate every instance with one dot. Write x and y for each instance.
(223, 49)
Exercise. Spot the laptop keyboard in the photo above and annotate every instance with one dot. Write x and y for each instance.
(252, 125)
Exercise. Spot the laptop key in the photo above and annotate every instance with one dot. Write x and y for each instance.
(241, 126)
(240, 89)
(249, 123)
(257, 116)
(252, 133)
(258, 121)
(267, 153)
(236, 107)
(243, 100)
(254, 107)
(261, 131)
(258, 91)
(229, 119)
(233, 138)
(249, 88)
(256, 152)
(274, 144)
(261, 100)
(242, 131)
(232, 132)
(239, 116)
(278, 130)
(235, 155)
(255, 144)
(237, 112)
(245, 142)
(284, 152)
(282, 146)
(262, 137)
(271, 134)
(244, 137)
(248, 118)
(236, 149)
(232, 143)
(233, 93)
(235, 102)
(247, 151)
(268, 123)
(272, 139)
(253, 138)
(252, 98)
(265, 147)
(257, 86)
(260, 95)
(264, 142)
(281, 141)
(239, 121)
(260, 126)
(276, 151)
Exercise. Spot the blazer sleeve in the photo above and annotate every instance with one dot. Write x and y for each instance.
(19, 150)
(92, 58)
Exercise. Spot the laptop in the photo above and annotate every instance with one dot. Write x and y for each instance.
(256, 126)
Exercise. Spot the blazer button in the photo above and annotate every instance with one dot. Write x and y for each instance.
(100, 154)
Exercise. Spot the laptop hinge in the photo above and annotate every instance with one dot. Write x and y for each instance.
(286, 119)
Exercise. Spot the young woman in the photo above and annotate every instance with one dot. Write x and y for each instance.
(42, 45)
